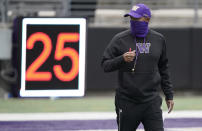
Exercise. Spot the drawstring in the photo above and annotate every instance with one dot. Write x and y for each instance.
(120, 111)
(136, 55)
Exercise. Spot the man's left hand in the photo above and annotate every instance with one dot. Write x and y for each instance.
(170, 105)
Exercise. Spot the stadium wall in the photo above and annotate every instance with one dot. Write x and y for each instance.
(183, 49)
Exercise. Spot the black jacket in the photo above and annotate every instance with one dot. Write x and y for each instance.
(151, 70)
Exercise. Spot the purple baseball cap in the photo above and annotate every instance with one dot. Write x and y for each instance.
(138, 11)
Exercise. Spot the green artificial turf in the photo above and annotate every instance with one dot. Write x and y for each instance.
(85, 104)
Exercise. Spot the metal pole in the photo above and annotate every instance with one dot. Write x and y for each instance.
(3, 17)
(6, 10)
(133, 2)
(66, 8)
(196, 2)
(1, 11)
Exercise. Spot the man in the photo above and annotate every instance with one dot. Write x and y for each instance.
(139, 55)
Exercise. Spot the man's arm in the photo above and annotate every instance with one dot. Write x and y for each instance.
(112, 59)
(166, 84)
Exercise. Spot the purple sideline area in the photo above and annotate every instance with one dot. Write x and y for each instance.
(86, 124)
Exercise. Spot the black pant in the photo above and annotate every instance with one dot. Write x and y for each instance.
(130, 115)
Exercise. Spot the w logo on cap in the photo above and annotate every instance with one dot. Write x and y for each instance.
(135, 8)
(138, 11)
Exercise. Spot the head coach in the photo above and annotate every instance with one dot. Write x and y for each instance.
(139, 56)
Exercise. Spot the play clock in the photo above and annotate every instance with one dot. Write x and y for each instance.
(53, 57)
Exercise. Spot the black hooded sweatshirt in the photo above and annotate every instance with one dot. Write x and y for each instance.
(151, 70)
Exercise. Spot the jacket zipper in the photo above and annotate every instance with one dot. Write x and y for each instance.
(120, 111)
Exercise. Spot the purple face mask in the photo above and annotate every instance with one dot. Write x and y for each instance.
(139, 28)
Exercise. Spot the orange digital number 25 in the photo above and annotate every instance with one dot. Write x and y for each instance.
(33, 75)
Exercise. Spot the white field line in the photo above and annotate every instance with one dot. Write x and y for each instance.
(184, 129)
(57, 116)
(86, 115)
(100, 130)
(184, 114)
(167, 129)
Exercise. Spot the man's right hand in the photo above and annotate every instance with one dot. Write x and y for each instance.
(129, 56)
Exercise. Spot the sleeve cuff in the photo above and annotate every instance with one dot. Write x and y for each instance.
(169, 97)
(120, 59)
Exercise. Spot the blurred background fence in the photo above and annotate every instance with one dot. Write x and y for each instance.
(180, 21)
(175, 13)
